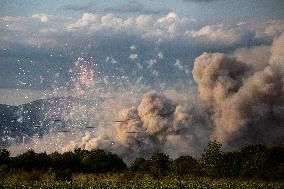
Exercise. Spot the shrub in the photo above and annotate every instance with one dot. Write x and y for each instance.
(159, 165)
(185, 166)
(63, 175)
(140, 164)
(99, 161)
(211, 160)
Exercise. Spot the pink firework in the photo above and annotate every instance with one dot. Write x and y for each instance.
(83, 74)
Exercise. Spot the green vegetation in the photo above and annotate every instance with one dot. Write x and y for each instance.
(166, 183)
(252, 166)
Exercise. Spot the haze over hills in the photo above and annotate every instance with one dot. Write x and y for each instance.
(38, 118)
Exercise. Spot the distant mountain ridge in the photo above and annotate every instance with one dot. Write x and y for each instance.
(32, 118)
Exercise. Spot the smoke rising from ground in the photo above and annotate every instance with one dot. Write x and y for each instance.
(158, 123)
(240, 100)
(246, 102)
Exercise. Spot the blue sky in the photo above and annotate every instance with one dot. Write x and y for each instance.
(147, 43)
(205, 10)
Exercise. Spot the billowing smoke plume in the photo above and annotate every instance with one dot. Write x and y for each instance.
(157, 124)
(240, 100)
(246, 102)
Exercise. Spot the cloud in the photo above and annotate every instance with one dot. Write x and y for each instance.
(179, 64)
(108, 35)
(218, 33)
(87, 18)
(132, 47)
(113, 61)
(270, 28)
(144, 21)
(99, 36)
(42, 17)
(161, 28)
(151, 63)
(172, 26)
(145, 25)
(172, 23)
(133, 56)
(14, 23)
(160, 55)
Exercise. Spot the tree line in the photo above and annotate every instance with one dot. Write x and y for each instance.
(250, 161)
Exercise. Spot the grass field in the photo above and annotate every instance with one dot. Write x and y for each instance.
(114, 181)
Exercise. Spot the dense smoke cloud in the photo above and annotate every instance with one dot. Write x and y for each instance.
(240, 103)
(159, 123)
(257, 57)
(240, 100)
(247, 104)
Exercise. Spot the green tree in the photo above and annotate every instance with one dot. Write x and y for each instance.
(81, 153)
(25, 161)
(70, 161)
(140, 164)
(254, 161)
(56, 160)
(159, 165)
(275, 167)
(278, 172)
(231, 164)
(211, 160)
(5, 161)
(4, 169)
(4, 157)
(185, 166)
(100, 161)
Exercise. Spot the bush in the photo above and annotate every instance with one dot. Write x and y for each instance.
(4, 157)
(211, 160)
(63, 175)
(231, 164)
(254, 161)
(4, 169)
(140, 164)
(159, 165)
(185, 166)
(31, 176)
(279, 172)
(25, 161)
(70, 161)
(99, 161)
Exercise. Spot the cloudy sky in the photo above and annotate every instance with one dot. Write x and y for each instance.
(122, 44)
